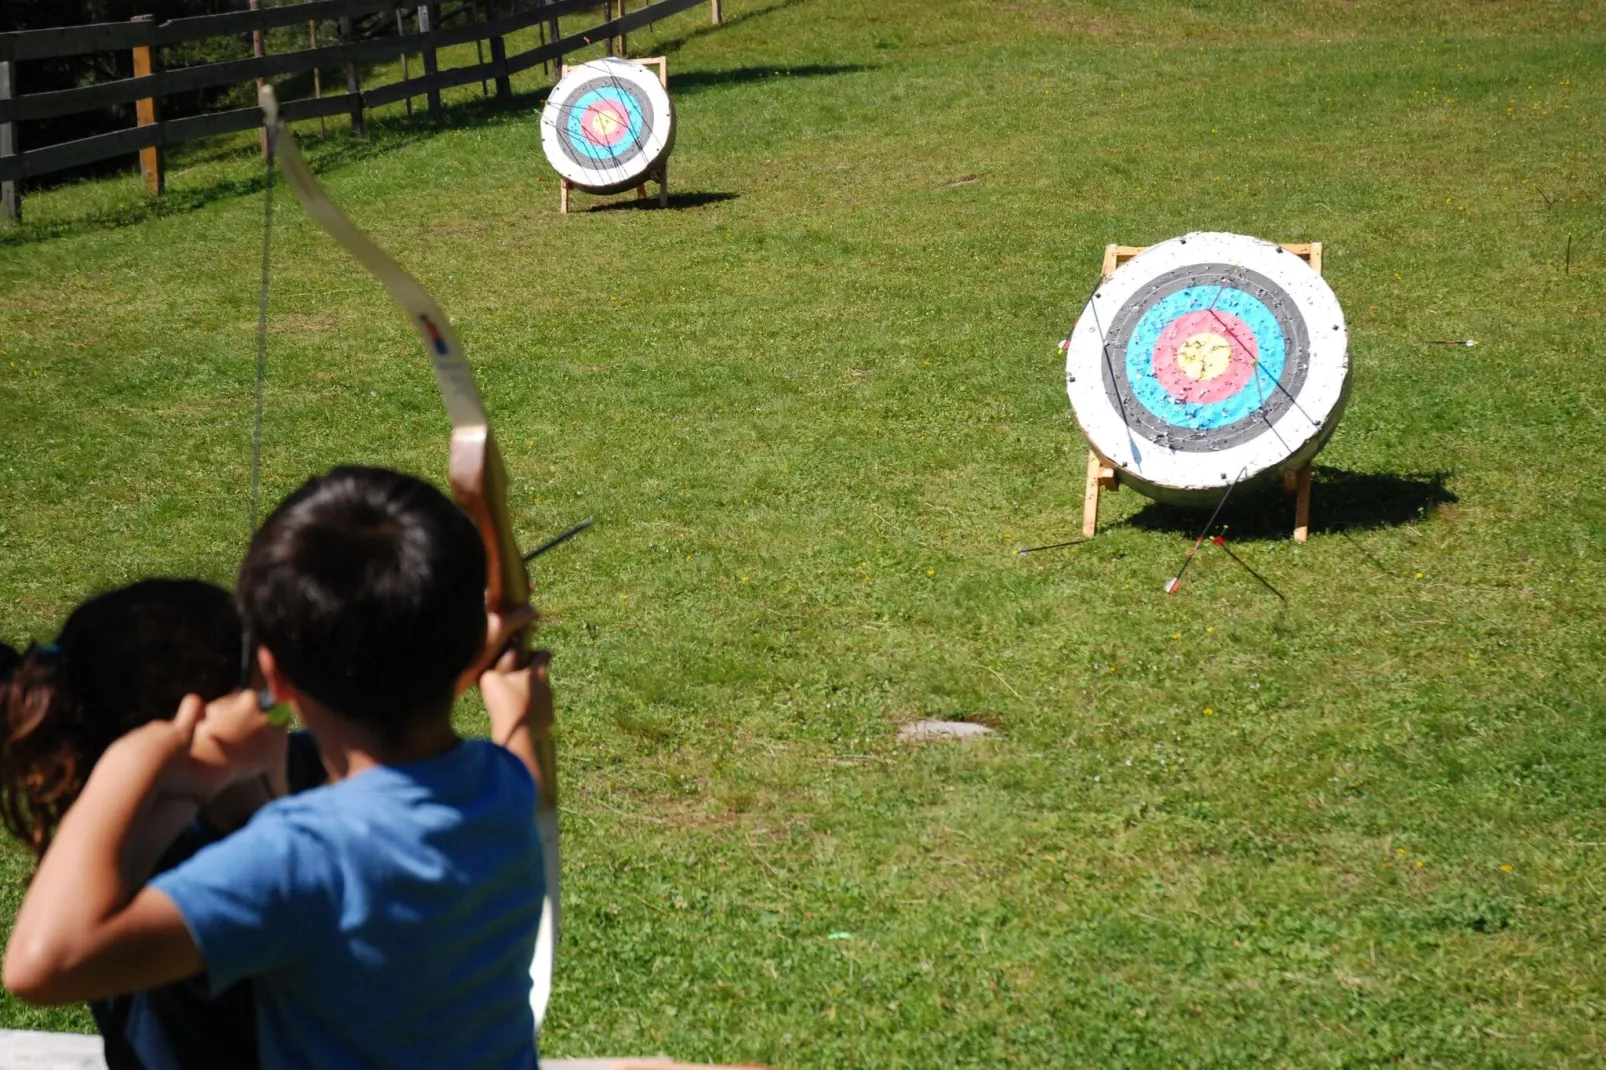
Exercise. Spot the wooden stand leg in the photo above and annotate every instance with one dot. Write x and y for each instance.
(663, 185)
(563, 196)
(1090, 500)
(1302, 504)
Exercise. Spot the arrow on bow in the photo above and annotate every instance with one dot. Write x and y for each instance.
(479, 483)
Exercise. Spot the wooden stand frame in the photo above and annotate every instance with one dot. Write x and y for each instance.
(659, 174)
(1102, 475)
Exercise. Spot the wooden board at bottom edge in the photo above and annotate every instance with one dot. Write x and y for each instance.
(22, 1049)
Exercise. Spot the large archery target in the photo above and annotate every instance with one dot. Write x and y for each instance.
(607, 125)
(1206, 360)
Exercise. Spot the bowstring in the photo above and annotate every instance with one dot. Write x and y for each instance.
(261, 375)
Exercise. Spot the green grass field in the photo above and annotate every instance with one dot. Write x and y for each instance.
(817, 406)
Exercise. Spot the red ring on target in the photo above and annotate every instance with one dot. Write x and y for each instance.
(1204, 357)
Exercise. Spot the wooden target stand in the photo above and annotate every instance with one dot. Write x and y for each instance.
(1101, 474)
(659, 174)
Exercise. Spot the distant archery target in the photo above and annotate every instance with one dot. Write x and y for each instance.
(607, 125)
(1206, 360)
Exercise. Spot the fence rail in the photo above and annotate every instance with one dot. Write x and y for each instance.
(143, 36)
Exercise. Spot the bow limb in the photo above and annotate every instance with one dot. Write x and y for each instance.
(479, 484)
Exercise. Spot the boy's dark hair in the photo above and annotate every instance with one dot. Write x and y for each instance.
(123, 659)
(369, 587)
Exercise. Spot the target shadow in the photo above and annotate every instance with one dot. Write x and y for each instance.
(643, 204)
(1341, 501)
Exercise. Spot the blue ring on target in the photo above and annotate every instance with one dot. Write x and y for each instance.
(1269, 341)
(582, 144)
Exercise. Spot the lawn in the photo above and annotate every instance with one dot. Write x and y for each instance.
(816, 407)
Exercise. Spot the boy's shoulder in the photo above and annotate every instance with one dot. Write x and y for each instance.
(470, 811)
(476, 777)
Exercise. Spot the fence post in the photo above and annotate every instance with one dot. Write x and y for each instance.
(151, 164)
(353, 84)
(401, 31)
(317, 75)
(479, 48)
(713, 12)
(258, 49)
(429, 18)
(557, 63)
(10, 192)
(504, 86)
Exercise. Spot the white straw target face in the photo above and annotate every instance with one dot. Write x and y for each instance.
(607, 125)
(1208, 360)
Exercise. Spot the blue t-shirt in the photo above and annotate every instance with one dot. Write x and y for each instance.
(387, 920)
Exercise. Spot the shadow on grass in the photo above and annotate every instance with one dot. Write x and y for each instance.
(341, 149)
(677, 201)
(686, 84)
(675, 44)
(1341, 501)
(137, 209)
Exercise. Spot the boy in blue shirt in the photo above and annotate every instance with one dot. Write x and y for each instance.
(386, 919)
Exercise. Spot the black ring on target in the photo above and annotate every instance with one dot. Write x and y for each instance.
(1205, 357)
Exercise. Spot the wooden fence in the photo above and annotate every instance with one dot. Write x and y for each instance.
(144, 36)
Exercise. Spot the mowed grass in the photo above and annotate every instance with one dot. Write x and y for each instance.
(815, 409)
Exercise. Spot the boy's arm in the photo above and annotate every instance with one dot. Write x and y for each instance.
(78, 936)
(518, 700)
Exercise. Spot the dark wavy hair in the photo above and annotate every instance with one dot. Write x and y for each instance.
(123, 659)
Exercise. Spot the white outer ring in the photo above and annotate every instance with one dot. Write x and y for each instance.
(653, 150)
(1298, 433)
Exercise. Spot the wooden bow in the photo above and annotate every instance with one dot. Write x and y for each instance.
(479, 483)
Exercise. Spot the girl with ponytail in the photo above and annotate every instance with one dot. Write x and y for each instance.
(124, 659)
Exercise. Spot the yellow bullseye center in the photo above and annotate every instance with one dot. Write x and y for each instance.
(1204, 356)
(604, 123)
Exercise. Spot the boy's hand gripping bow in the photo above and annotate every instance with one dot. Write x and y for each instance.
(479, 483)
